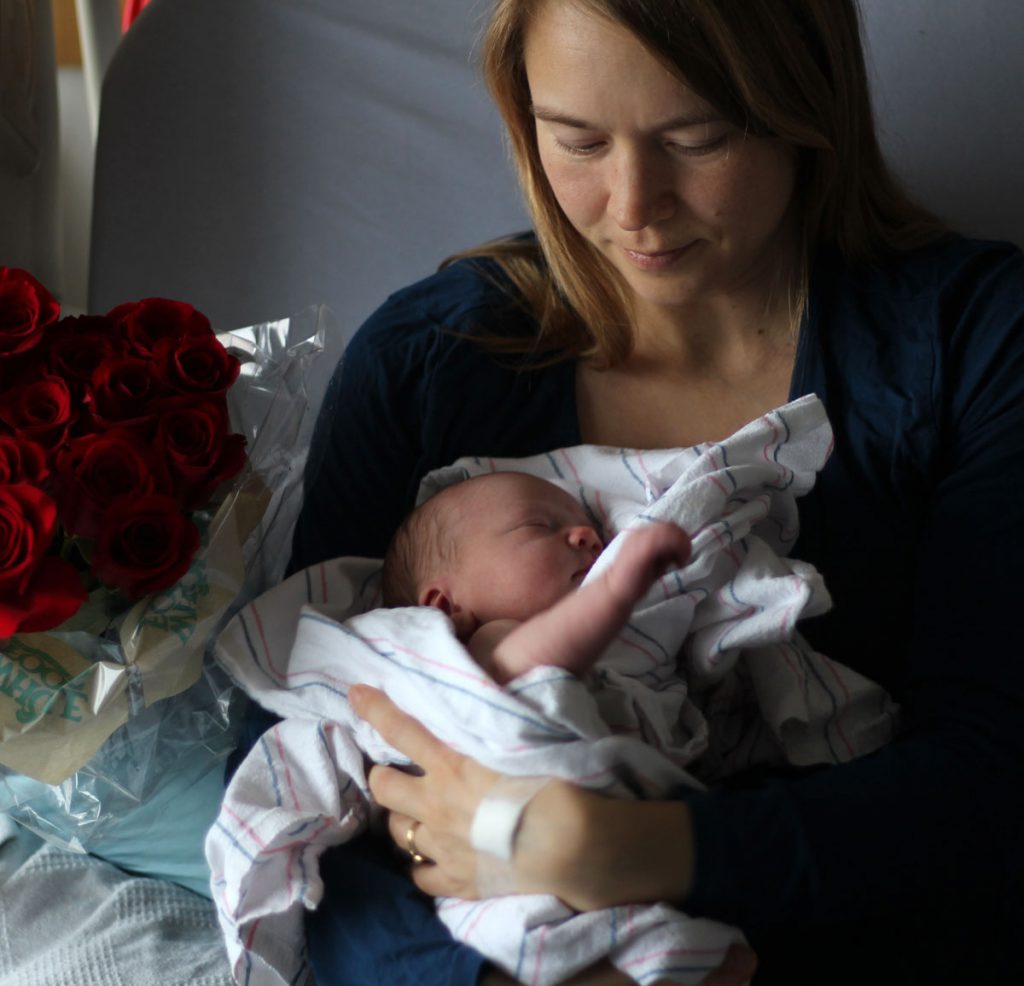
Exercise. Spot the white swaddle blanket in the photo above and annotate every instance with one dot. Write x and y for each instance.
(630, 728)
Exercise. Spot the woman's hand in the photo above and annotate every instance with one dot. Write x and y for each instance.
(588, 850)
(439, 806)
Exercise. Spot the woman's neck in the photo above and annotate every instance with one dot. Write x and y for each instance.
(695, 375)
(718, 338)
(700, 371)
(735, 323)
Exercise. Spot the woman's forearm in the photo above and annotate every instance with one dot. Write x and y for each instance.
(592, 851)
(589, 850)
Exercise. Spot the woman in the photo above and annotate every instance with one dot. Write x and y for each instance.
(716, 233)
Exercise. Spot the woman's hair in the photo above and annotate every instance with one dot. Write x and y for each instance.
(789, 69)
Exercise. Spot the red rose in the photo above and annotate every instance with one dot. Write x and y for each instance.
(37, 591)
(145, 544)
(78, 344)
(41, 411)
(144, 323)
(197, 364)
(26, 309)
(95, 470)
(26, 367)
(193, 439)
(22, 461)
(122, 391)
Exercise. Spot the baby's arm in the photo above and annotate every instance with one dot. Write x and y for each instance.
(483, 646)
(574, 632)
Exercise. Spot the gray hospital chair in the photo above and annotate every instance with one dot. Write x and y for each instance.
(259, 156)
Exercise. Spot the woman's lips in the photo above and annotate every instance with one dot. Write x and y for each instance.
(658, 260)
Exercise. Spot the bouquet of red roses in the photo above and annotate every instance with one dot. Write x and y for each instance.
(114, 430)
(150, 476)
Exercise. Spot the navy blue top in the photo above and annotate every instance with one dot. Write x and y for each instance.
(904, 866)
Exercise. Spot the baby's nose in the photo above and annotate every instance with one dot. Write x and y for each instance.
(585, 538)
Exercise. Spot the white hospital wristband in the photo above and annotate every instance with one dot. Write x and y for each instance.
(494, 828)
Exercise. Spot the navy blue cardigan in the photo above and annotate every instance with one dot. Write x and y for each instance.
(905, 866)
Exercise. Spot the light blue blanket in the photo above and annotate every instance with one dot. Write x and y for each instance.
(68, 919)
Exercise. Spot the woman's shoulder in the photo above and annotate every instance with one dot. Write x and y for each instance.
(919, 300)
(467, 298)
(939, 266)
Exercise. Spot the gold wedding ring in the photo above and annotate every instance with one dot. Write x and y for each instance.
(410, 844)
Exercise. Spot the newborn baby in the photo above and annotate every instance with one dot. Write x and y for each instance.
(496, 553)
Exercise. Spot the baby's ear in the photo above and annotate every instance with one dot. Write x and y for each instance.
(434, 594)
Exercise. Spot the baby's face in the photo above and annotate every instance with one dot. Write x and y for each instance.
(522, 544)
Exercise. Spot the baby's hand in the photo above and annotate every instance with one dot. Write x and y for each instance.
(646, 554)
(574, 632)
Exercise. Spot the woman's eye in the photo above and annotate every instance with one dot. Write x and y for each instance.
(687, 150)
(579, 150)
(697, 150)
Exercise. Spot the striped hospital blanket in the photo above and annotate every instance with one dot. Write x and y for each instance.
(710, 643)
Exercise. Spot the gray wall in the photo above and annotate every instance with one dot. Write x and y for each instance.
(949, 92)
(29, 141)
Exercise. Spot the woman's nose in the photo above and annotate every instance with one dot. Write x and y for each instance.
(641, 193)
(585, 538)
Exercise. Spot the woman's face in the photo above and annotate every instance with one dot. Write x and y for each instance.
(682, 204)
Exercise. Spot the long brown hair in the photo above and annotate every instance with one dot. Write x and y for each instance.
(790, 69)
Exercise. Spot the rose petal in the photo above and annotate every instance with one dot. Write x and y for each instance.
(53, 596)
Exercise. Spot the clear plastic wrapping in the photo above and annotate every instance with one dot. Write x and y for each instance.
(96, 724)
